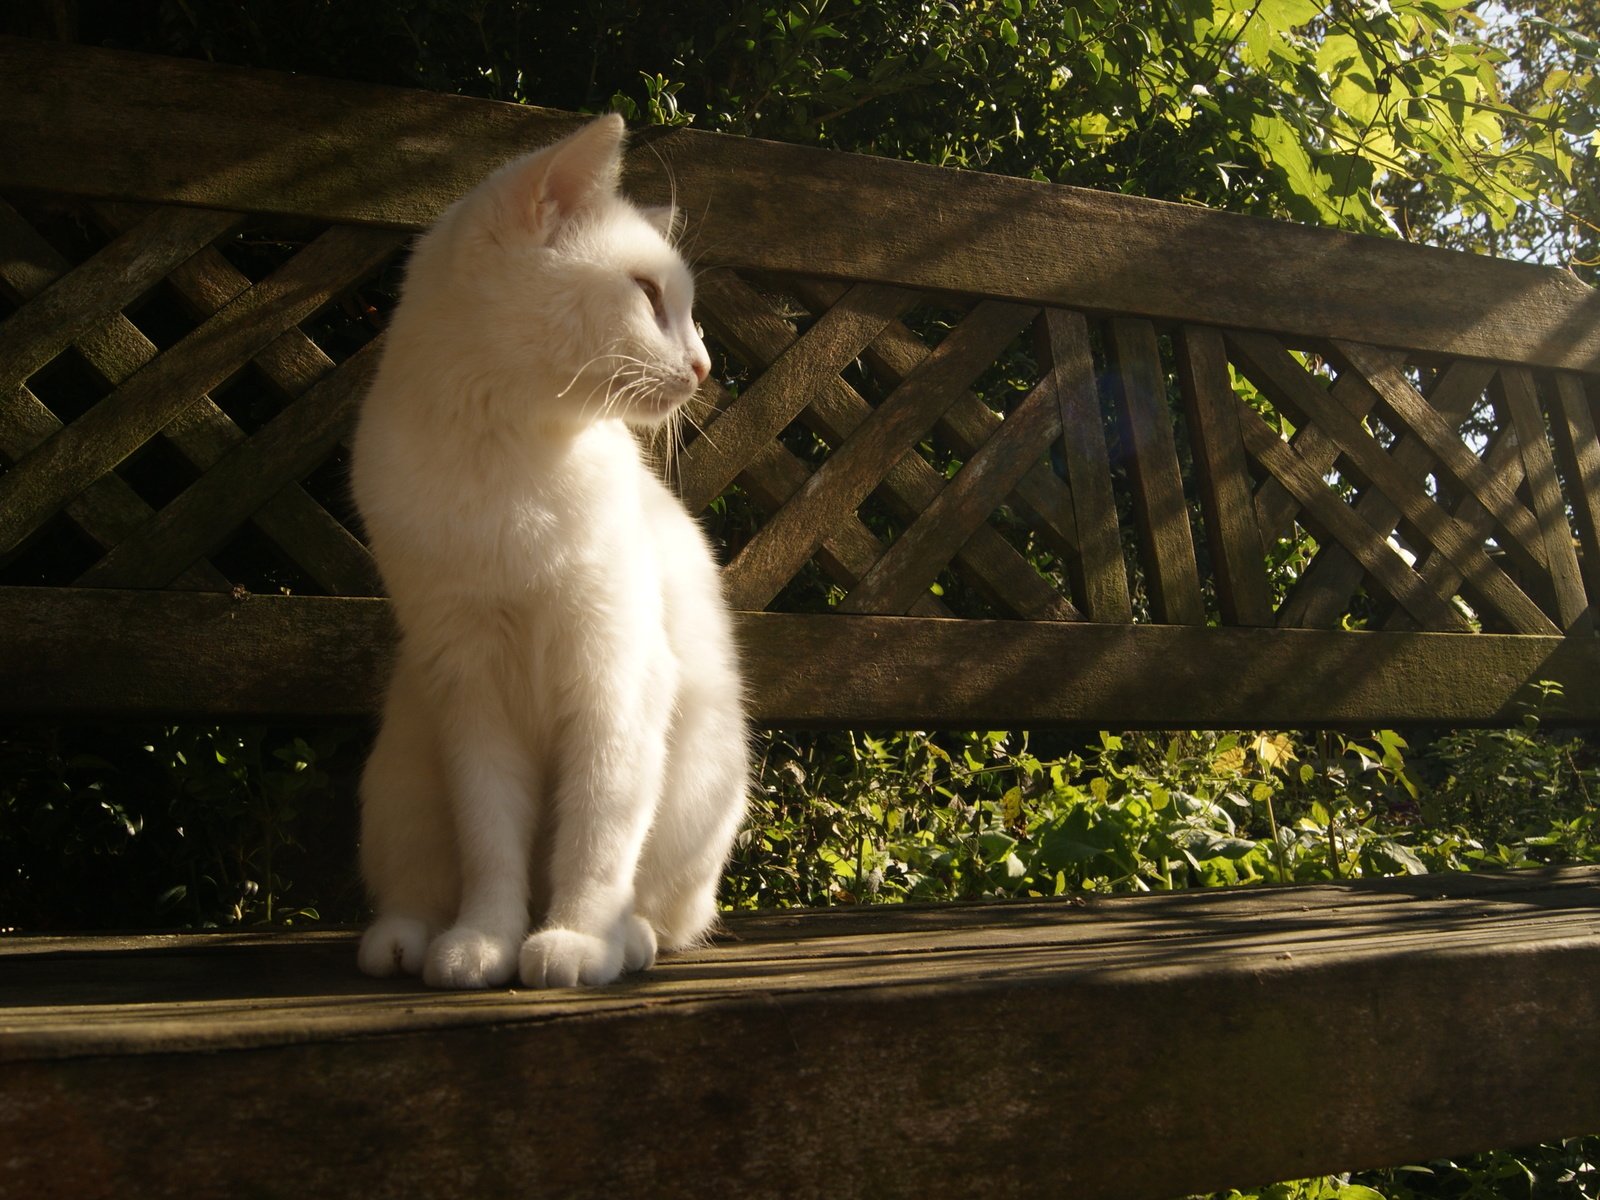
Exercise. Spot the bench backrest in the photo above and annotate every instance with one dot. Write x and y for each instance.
(987, 452)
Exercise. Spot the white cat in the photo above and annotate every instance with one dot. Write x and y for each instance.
(563, 734)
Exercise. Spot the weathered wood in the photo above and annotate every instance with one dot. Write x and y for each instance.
(985, 479)
(1521, 401)
(1578, 451)
(807, 366)
(1237, 554)
(1276, 373)
(761, 335)
(136, 1044)
(105, 123)
(213, 508)
(39, 484)
(1322, 595)
(1145, 427)
(1100, 575)
(85, 652)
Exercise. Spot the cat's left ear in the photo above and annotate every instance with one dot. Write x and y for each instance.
(571, 175)
(666, 218)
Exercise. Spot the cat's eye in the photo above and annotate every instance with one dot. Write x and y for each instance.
(652, 293)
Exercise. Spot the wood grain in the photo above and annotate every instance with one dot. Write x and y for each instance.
(1166, 542)
(112, 124)
(85, 652)
(1578, 452)
(129, 1045)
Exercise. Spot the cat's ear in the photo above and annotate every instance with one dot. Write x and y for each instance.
(666, 218)
(568, 177)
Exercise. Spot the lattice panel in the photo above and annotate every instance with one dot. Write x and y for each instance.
(178, 384)
(176, 392)
(904, 454)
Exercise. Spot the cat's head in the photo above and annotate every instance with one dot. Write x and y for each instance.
(574, 291)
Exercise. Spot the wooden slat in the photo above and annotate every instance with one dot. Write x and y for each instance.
(105, 123)
(1237, 554)
(854, 469)
(39, 484)
(967, 424)
(713, 461)
(129, 1045)
(91, 292)
(1272, 369)
(213, 508)
(1331, 519)
(1578, 451)
(299, 526)
(1100, 575)
(1145, 427)
(84, 652)
(908, 568)
(761, 335)
(1404, 406)
(1322, 595)
(1550, 508)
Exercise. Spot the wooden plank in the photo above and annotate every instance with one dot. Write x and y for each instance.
(760, 334)
(39, 484)
(300, 527)
(211, 510)
(713, 461)
(905, 572)
(1145, 426)
(967, 424)
(85, 652)
(1237, 554)
(117, 275)
(1331, 519)
(1550, 507)
(1322, 595)
(107, 123)
(1100, 575)
(1578, 451)
(130, 1048)
(1404, 406)
(1272, 369)
(855, 467)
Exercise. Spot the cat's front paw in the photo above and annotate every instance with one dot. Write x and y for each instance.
(393, 946)
(638, 943)
(466, 958)
(566, 958)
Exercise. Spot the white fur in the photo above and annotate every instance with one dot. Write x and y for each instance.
(562, 745)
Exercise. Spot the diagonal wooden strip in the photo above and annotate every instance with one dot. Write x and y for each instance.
(203, 432)
(968, 423)
(1502, 457)
(714, 460)
(770, 558)
(922, 551)
(1578, 452)
(213, 507)
(1527, 418)
(849, 551)
(1275, 371)
(1162, 510)
(1331, 519)
(297, 524)
(1405, 407)
(1322, 594)
(759, 334)
(40, 483)
(109, 509)
(1101, 575)
(1238, 558)
(116, 276)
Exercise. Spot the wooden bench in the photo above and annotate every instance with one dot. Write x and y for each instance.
(1089, 574)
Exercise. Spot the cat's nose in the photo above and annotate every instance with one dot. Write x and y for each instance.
(700, 364)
